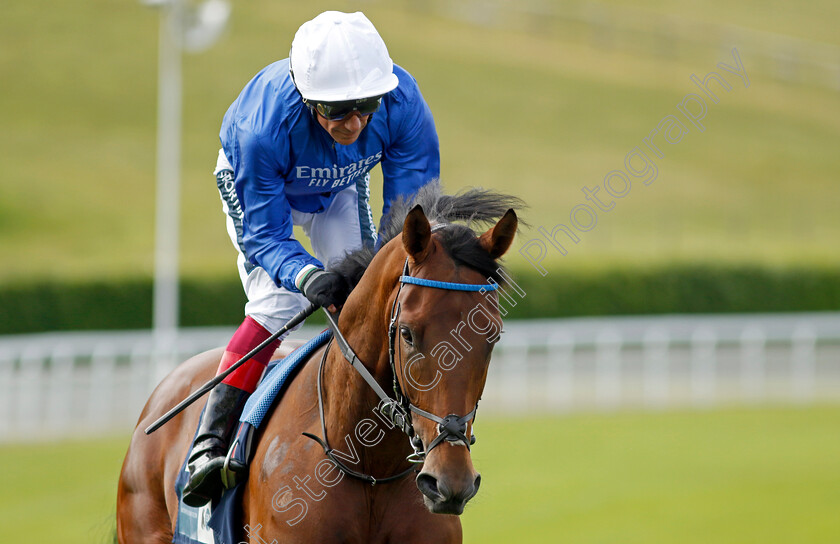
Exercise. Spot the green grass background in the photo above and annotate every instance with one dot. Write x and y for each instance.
(532, 110)
(727, 476)
(536, 111)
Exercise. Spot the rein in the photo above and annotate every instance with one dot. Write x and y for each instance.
(328, 451)
(451, 428)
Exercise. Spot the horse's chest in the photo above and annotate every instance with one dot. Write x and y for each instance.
(350, 514)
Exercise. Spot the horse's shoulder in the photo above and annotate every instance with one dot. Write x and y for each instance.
(295, 411)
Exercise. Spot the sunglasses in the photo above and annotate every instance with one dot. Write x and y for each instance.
(334, 111)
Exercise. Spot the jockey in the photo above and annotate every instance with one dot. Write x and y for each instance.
(298, 145)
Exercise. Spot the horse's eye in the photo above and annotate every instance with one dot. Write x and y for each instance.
(405, 332)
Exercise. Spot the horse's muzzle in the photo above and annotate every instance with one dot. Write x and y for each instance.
(440, 498)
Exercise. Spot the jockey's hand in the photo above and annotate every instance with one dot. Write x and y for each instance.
(326, 289)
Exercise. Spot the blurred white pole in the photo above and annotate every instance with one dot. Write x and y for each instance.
(165, 304)
(191, 29)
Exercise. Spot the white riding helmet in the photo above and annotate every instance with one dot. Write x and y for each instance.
(340, 56)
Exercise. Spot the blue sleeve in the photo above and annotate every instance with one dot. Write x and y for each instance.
(267, 226)
(413, 158)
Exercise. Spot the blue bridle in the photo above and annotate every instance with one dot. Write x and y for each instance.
(450, 286)
(451, 428)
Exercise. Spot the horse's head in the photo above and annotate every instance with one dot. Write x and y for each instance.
(443, 334)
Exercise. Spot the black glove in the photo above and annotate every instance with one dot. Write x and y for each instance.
(325, 288)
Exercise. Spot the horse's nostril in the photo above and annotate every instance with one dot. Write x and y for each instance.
(476, 483)
(428, 485)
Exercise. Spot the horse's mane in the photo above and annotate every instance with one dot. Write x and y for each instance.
(475, 206)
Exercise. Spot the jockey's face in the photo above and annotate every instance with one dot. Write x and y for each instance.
(345, 131)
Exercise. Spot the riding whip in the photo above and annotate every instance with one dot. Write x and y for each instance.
(293, 322)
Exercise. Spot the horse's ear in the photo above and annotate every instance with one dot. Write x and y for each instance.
(416, 234)
(498, 239)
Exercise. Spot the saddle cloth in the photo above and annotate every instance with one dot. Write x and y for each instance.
(218, 522)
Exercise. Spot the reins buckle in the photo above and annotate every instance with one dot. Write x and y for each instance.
(396, 415)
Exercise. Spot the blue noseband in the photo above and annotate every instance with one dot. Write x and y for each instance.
(481, 287)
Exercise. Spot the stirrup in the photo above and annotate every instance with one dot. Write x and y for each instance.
(228, 475)
(235, 467)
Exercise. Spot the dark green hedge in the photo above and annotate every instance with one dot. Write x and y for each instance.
(117, 304)
(677, 289)
(126, 304)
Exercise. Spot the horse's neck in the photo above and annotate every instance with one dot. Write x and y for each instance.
(349, 400)
(348, 396)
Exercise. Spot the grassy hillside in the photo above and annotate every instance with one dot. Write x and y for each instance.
(724, 476)
(537, 113)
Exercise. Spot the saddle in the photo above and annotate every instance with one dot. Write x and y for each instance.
(277, 376)
(215, 523)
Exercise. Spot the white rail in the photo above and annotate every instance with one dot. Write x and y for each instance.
(60, 384)
(670, 361)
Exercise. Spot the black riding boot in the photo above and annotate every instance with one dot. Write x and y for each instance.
(210, 447)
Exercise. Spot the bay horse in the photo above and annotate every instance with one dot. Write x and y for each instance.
(420, 336)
